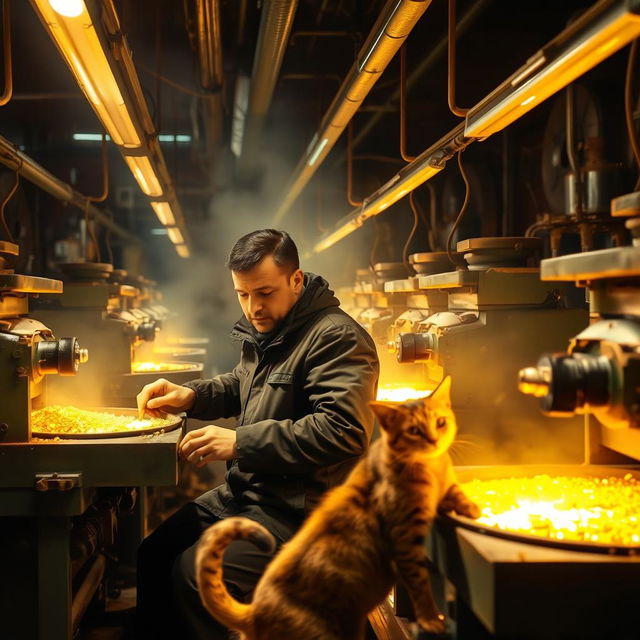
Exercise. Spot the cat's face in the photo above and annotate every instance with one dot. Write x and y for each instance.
(426, 426)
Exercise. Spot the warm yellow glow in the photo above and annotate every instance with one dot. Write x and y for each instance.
(71, 28)
(182, 250)
(164, 213)
(144, 174)
(549, 77)
(68, 8)
(585, 509)
(175, 235)
(388, 393)
(71, 420)
(145, 367)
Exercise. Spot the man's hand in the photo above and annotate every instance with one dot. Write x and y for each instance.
(209, 443)
(166, 396)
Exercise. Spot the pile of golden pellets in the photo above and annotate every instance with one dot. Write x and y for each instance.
(71, 420)
(585, 509)
(145, 367)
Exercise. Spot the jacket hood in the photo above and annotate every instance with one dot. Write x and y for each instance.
(316, 297)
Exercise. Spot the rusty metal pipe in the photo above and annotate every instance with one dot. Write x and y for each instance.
(394, 24)
(451, 83)
(403, 105)
(13, 158)
(7, 53)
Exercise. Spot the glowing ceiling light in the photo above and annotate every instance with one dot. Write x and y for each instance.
(164, 213)
(145, 175)
(68, 8)
(595, 35)
(182, 250)
(175, 235)
(71, 28)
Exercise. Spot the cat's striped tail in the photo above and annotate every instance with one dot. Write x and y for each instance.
(213, 592)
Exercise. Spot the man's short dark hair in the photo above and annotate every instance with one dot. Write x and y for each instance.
(252, 248)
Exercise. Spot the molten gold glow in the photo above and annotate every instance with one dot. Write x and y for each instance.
(144, 367)
(387, 393)
(584, 509)
(71, 420)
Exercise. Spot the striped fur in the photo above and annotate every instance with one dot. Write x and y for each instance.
(364, 535)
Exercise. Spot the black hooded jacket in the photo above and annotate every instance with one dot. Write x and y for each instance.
(301, 403)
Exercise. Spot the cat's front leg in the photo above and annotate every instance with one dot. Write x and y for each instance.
(456, 500)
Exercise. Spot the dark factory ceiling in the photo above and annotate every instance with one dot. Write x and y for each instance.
(48, 108)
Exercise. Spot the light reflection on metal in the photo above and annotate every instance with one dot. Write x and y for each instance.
(388, 393)
(396, 21)
(594, 36)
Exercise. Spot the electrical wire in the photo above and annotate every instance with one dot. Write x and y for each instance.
(7, 53)
(628, 107)
(412, 233)
(179, 87)
(463, 209)
(90, 232)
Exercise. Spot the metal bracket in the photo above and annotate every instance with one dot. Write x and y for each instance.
(57, 481)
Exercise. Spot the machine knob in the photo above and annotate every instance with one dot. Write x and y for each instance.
(415, 347)
(147, 331)
(60, 356)
(565, 383)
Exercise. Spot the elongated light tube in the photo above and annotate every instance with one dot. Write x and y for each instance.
(182, 250)
(175, 235)
(598, 33)
(145, 174)
(72, 30)
(164, 213)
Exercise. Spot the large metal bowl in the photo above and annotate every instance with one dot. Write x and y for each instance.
(466, 474)
(175, 422)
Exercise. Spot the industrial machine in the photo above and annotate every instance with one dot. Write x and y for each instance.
(484, 321)
(504, 585)
(59, 498)
(101, 310)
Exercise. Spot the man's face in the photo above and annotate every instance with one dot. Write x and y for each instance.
(266, 293)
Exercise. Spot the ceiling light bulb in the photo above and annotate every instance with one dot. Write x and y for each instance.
(68, 8)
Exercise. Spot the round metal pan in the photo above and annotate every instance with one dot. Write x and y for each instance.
(466, 474)
(176, 421)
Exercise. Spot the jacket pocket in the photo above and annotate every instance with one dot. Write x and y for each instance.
(280, 377)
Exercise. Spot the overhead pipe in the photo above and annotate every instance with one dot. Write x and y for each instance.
(209, 41)
(275, 28)
(394, 24)
(597, 34)
(427, 62)
(16, 160)
(451, 64)
(7, 53)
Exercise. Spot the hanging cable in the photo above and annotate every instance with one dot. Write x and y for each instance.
(412, 233)
(628, 106)
(403, 105)
(107, 239)
(5, 200)
(7, 53)
(451, 93)
(89, 231)
(432, 226)
(105, 171)
(463, 209)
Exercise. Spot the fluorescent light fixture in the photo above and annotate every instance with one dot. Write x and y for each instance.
(70, 26)
(180, 137)
(89, 137)
(595, 35)
(175, 235)
(144, 174)
(164, 213)
(182, 250)
(159, 231)
(314, 156)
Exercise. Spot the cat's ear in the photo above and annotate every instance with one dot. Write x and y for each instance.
(388, 414)
(442, 393)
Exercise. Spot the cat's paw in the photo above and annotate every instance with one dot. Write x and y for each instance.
(455, 500)
(468, 508)
(435, 625)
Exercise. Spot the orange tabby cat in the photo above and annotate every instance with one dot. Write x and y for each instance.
(361, 538)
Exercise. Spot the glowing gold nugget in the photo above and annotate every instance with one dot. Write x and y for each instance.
(71, 420)
(585, 509)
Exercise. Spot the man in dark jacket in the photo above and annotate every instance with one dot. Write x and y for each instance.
(300, 392)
